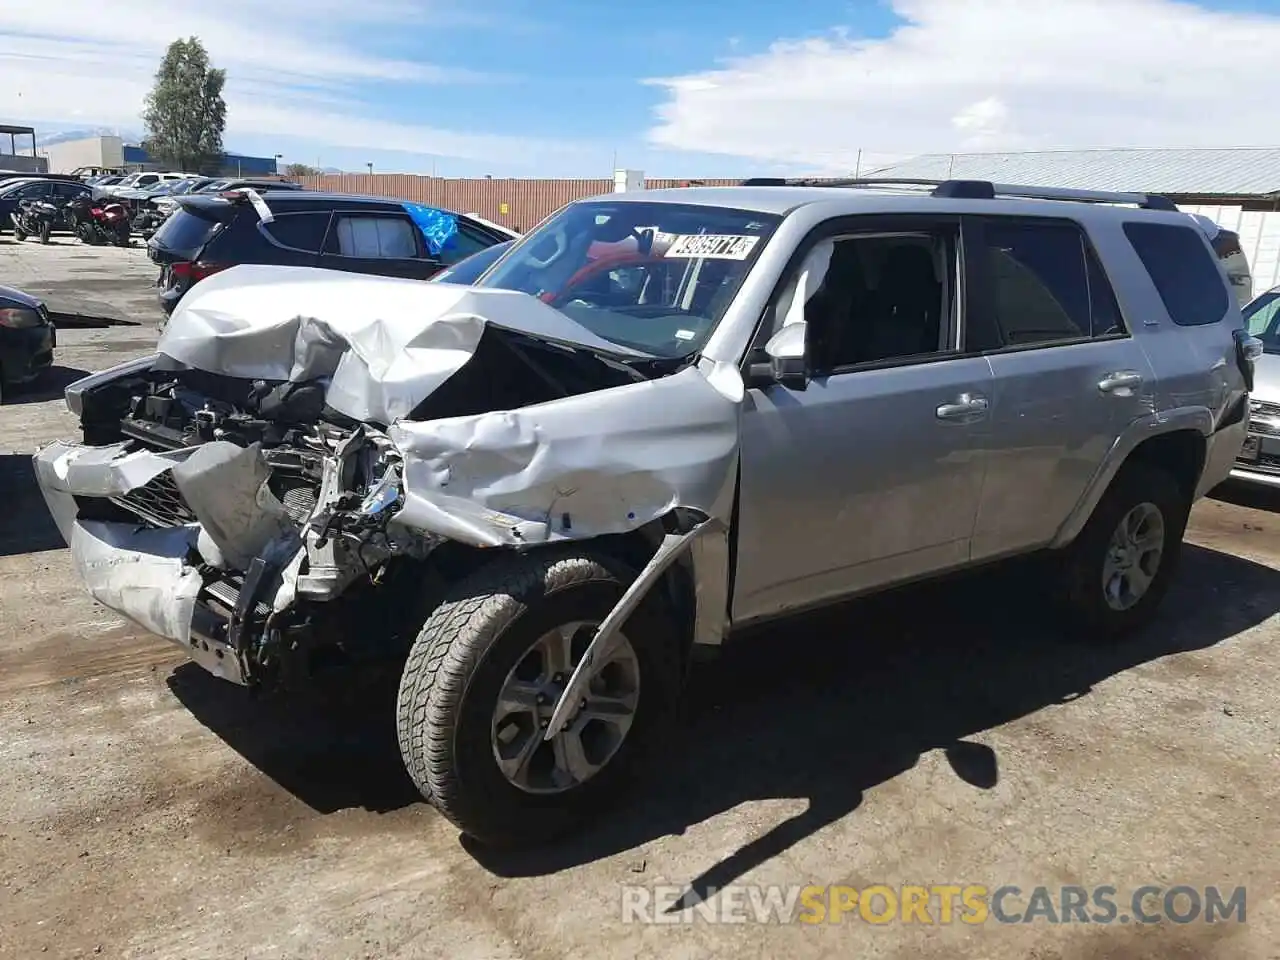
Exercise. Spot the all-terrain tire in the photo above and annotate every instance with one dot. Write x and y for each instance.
(1081, 572)
(460, 660)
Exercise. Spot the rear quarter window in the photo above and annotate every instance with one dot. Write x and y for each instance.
(1184, 271)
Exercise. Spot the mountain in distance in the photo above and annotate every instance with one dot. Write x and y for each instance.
(63, 136)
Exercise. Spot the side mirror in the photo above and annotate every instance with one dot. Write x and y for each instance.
(788, 361)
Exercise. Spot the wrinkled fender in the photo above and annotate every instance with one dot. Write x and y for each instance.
(1199, 419)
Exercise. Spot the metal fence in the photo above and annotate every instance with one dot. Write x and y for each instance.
(519, 204)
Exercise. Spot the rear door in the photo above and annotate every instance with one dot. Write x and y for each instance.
(378, 242)
(1068, 377)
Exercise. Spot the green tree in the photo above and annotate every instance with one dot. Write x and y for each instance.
(300, 170)
(185, 113)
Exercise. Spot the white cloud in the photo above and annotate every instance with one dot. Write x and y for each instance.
(964, 75)
(290, 68)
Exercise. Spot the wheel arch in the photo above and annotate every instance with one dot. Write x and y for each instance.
(1176, 441)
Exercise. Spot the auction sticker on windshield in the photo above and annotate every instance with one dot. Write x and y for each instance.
(712, 246)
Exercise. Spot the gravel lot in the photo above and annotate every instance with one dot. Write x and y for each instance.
(938, 735)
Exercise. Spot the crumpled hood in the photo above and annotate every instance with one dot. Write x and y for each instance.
(387, 343)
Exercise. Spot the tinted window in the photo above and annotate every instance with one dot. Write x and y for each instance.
(380, 238)
(69, 191)
(1183, 270)
(1039, 281)
(465, 241)
(33, 190)
(302, 231)
(467, 271)
(185, 233)
(880, 298)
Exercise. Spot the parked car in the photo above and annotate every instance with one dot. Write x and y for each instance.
(209, 233)
(661, 416)
(469, 269)
(27, 338)
(62, 193)
(1259, 460)
(140, 181)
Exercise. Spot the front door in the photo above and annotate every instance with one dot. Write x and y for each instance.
(870, 472)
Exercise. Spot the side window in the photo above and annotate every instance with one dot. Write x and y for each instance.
(883, 297)
(33, 190)
(1183, 269)
(299, 231)
(146, 181)
(463, 244)
(1262, 321)
(373, 237)
(70, 191)
(1039, 281)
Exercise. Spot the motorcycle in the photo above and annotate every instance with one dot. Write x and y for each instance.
(36, 218)
(96, 222)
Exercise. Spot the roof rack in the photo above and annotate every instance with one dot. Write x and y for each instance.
(980, 190)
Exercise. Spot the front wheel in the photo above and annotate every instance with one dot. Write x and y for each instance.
(485, 673)
(18, 233)
(1119, 568)
(45, 229)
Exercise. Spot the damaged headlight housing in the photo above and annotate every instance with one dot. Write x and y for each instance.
(74, 394)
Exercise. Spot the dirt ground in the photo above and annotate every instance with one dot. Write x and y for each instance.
(938, 735)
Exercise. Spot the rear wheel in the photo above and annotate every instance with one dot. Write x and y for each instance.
(46, 228)
(1119, 568)
(487, 670)
(18, 233)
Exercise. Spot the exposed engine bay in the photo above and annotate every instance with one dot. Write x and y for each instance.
(287, 479)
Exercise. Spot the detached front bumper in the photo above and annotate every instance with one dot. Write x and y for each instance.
(151, 576)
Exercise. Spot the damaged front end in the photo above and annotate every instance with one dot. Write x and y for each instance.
(228, 526)
(289, 482)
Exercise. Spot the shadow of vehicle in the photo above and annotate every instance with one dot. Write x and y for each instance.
(824, 708)
(1252, 495)
(832, 705)
(27, 526)
(48, 386)
(333, 747)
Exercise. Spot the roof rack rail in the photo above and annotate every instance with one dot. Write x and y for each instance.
(1147, 201)
(979, 190)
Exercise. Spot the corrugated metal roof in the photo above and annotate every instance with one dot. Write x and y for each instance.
(1236, 171)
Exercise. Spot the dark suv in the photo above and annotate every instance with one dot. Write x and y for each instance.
(308, 229)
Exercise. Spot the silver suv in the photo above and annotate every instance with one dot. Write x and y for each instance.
(657, 418)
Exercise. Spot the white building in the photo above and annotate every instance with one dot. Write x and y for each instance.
(1238, 187)
(90, 152)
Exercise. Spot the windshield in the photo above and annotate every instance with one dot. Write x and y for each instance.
(213, 186)
(652, 276)
(1262, 317)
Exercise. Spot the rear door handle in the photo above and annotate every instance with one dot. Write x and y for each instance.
(965, 405)
(1120, 380)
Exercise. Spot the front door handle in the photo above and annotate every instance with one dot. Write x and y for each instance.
(1120, 380)
(965, 405)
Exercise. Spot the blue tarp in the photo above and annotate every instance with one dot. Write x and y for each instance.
(437, 226)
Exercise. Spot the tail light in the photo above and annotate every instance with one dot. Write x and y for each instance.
(96, 211)
(20, 318)
(194, 272)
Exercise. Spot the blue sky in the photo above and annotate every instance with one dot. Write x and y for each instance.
(688, 89)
